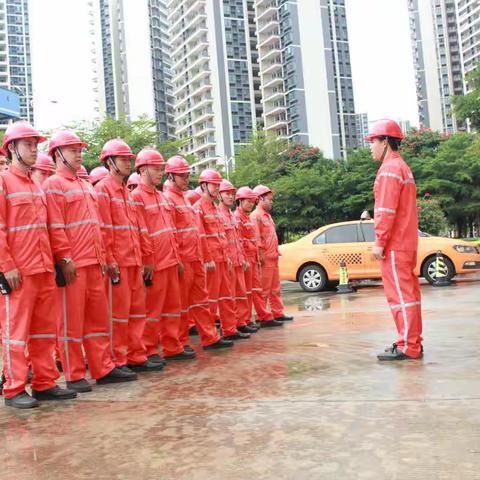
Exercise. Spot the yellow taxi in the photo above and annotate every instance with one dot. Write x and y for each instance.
(314, 260)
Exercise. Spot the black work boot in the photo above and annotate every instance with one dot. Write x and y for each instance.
(270, 323)
(284, 318)
(222, 343)
(146, 366)
(247, 329)
(22, 401)
(80, 386)
(117, 375)
(188, 349)
(394, 346)
(156, 358)
(237, 336)
(185, 355)
(393, 354)
(54, 393)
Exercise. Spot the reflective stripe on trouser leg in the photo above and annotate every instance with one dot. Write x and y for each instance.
(258, 300)
(41, 344)
(96, 324)
(403, 295)
(137, 317)
(274, 296)
(198, 304)
(226, 304)
(241, 301)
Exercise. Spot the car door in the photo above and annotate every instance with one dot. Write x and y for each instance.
(372, 266)
(342, 242)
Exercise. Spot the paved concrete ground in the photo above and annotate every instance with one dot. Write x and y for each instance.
(308, 401)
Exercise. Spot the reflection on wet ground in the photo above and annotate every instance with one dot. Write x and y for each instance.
(307, 401)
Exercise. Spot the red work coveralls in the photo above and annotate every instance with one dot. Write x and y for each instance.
(126, 245)
(28, 315)
(269, 247)
(163, 296)
(193, 282)
(249, 236)
(74, 228)
(396, 230)
(220, 290)
(235, 253)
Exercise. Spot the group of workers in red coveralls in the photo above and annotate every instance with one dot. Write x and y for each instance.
(111, 275)
(115, 274)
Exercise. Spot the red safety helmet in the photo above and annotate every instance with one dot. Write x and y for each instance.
(227, 186)
(44, 163)
(65, 138)
(192, 196)
(149, 156)
(262, 190)
(177, 164)
(115, 148)
(133, 179)
(245, 193)
(97, 174)
(210, 175)
(385, 128)
(82, 173)
(19, 130)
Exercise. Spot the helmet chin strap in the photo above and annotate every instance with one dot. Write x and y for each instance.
(20, 159)
(212, 197)
(384, 151)
(66, 163)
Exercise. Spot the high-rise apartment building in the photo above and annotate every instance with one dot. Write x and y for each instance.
(135, 57)
(361, 122)
(215, 109)
(437, 61)
(468, 12)
(305, 72)
(15, 63)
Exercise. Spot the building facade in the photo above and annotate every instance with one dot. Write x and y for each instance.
(15, 61)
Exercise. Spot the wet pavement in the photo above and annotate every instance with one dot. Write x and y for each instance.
(307, 401)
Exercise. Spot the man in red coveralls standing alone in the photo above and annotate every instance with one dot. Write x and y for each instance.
(396, 239)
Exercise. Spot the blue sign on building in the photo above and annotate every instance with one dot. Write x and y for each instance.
(9, 104)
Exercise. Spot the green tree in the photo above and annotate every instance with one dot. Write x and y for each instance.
(431, 218)
(138, 134)
(467, 107)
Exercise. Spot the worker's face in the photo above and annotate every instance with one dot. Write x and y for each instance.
(228, 198)
(377, 147)
(3, 163)
(152, 175)
(124, 165)
(27, 149)
(266, 202)
(182, 181)
(40, 176)
(73, 155)
(247, 205)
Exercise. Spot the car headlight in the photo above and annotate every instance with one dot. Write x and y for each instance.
(465, 249)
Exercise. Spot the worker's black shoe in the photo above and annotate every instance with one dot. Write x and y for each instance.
(237, 336)
(188, 349)
(222, 343)
(185, 355)
(80, 386)
(270, 323)
(393, 354)
(54, 393)
(146, 366)
(125, 368)
(394, 346)
(193, 331)
(254, 325)
(247, 329)
(284, 318)
(22, 400)
(156, 358)
(117, 375)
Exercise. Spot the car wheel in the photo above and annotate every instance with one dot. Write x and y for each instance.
(312, 278)
(428, 269)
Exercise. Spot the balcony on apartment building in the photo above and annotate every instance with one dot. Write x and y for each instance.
(195, 75)
(200, 144)
(187, 26)
(205, 101)
(178, 13)
(195, 62)
(191, 40)
(266, 11)
(273, 51)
